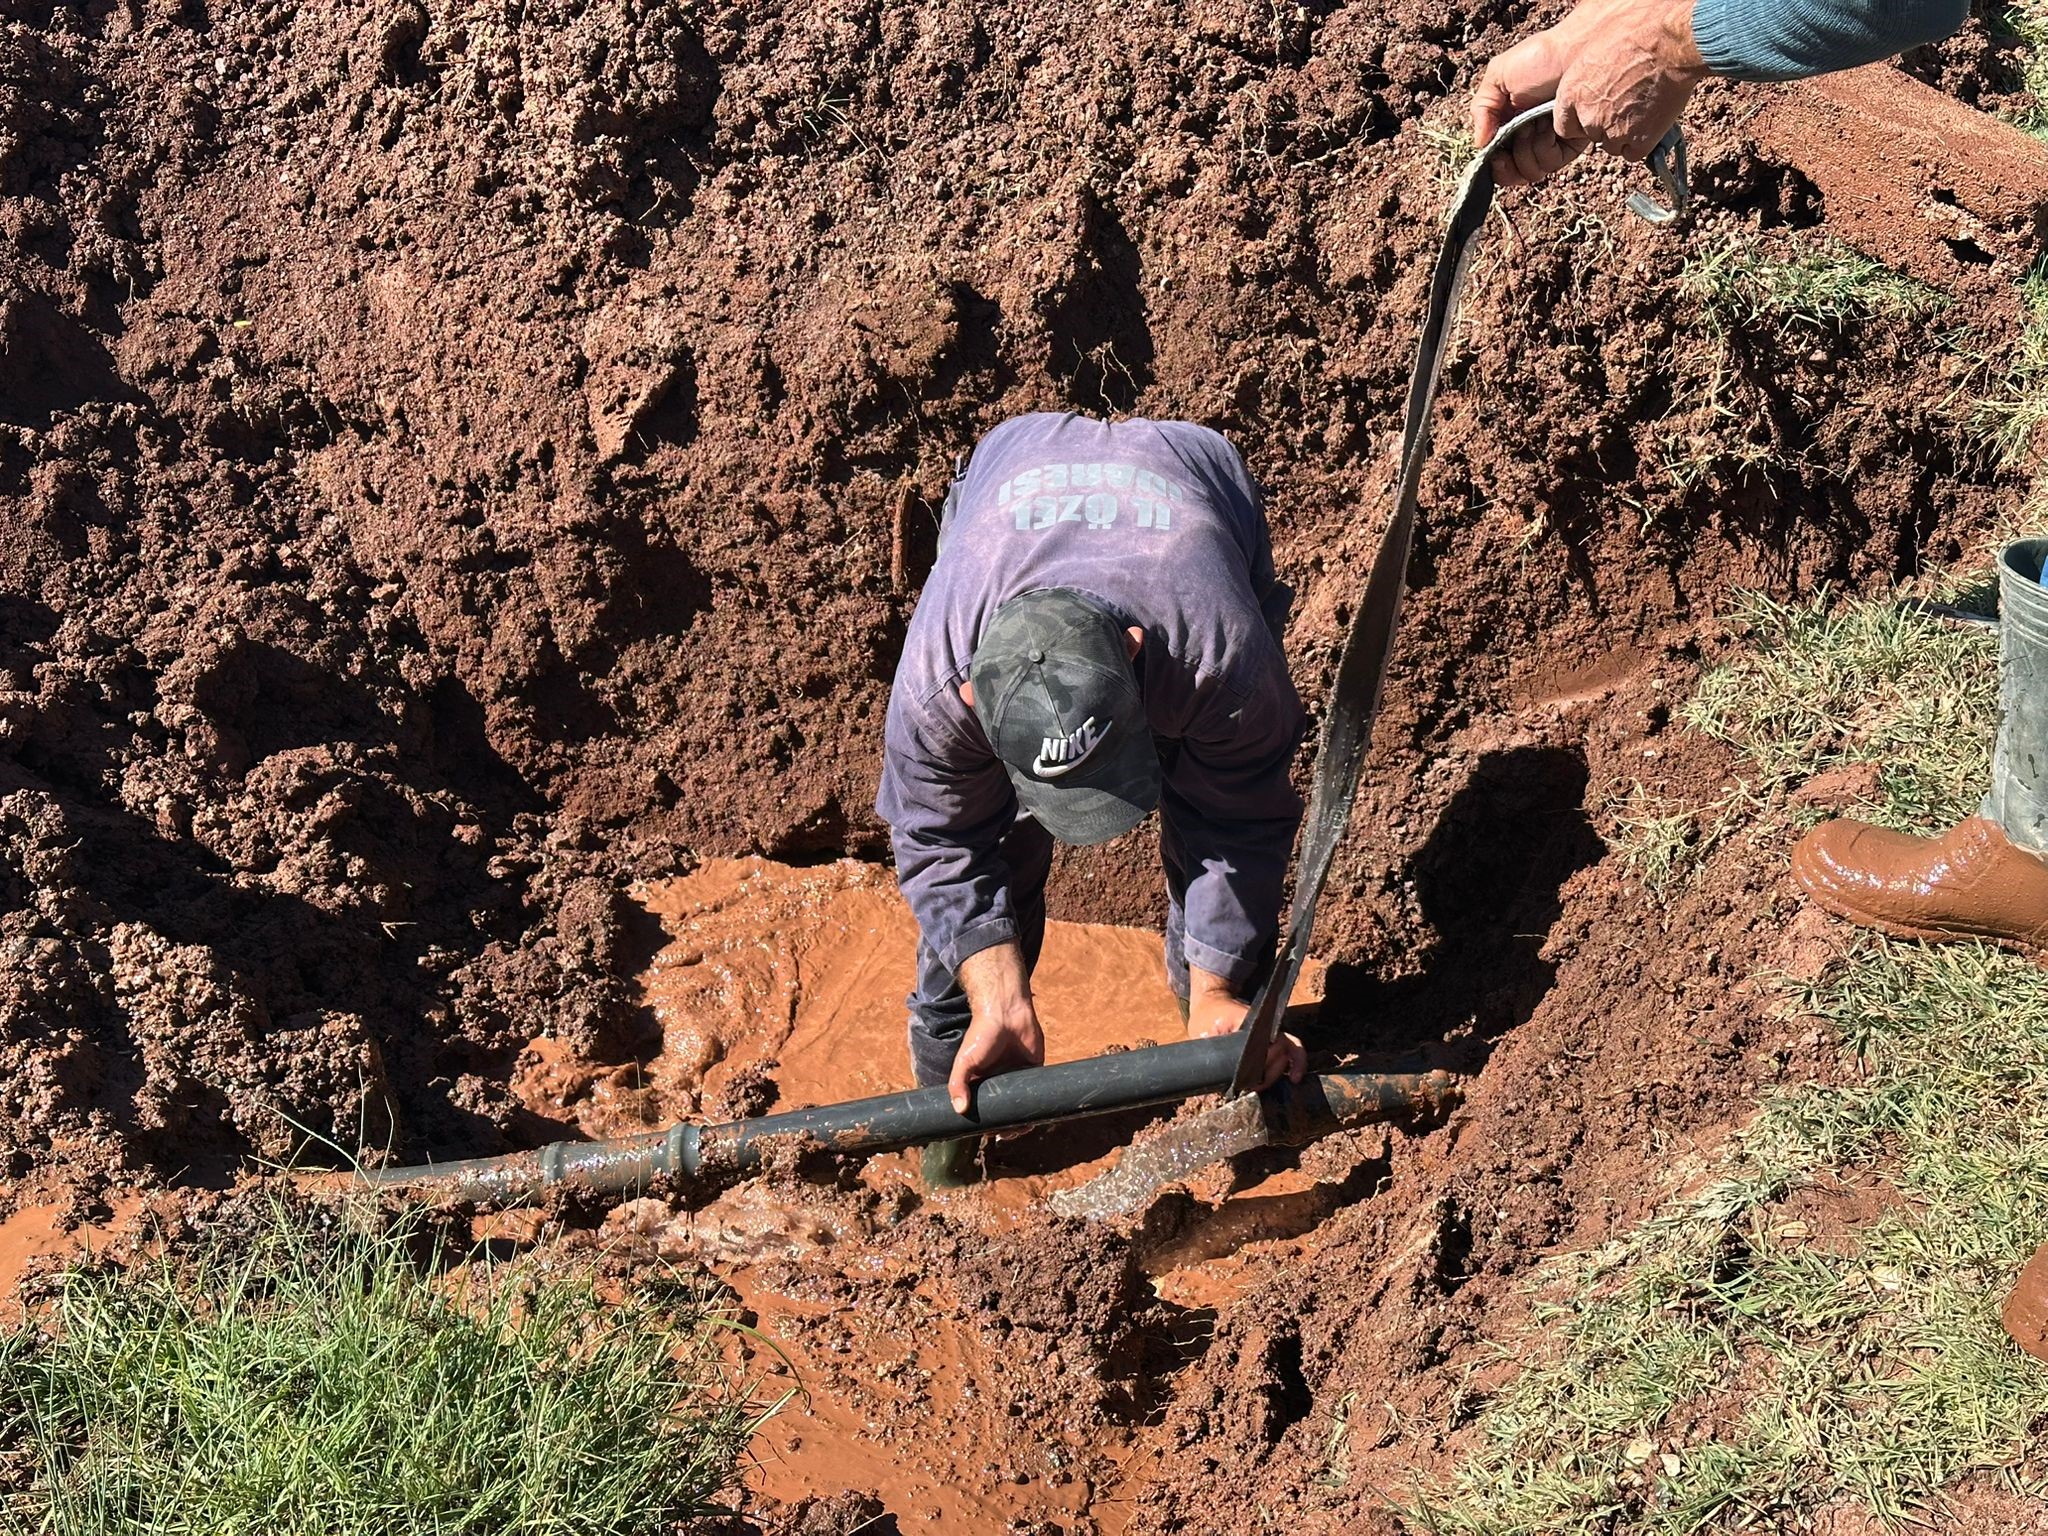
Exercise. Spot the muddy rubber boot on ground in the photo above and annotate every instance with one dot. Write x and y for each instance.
(1987, 876)
(951, 1164)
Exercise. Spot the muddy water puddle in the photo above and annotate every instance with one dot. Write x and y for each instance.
(783, 987)
(32, 1234)
(38, 1234)
(802, 972)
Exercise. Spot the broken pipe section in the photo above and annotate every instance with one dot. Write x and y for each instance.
(715, 1154)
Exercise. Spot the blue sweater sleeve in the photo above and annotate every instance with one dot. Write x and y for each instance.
(1792, 39)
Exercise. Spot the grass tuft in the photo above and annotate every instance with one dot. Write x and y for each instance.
(2027, 20)
(1661, 839)
(1827, 687)
(1828, 287)
(330, 1378)
(2008, 412)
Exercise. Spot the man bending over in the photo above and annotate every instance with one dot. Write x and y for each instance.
(1097, 638)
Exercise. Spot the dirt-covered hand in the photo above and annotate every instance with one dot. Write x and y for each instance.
(1220, 1013)
(1620, 72)
(1004, 1033)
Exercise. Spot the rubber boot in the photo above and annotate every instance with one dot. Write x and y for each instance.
(2018, 801)
(1987, 876)
(951, 1163)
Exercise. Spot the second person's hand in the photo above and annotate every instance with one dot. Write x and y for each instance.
(1213, 1009)
(1620, 72)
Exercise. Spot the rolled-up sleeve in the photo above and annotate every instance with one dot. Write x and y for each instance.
(1795, 39)
(948, 804)
(1231, 802)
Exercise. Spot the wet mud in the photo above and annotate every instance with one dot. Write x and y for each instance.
(786, 985)
(782, 988)
(466, 473)
(31, 1236)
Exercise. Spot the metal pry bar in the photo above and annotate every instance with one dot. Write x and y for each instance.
(1667, 164)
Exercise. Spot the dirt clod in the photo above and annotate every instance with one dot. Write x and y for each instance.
(2026, 1310)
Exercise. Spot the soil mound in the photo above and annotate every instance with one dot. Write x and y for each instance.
(460, 461)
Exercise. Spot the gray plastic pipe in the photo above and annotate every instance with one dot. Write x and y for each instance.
(718, 1154)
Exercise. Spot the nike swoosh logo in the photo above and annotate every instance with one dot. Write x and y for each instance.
(1059, 756)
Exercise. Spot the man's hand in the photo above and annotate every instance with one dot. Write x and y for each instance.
(1620, 72)
(1213, 1009)
(1004, 1034)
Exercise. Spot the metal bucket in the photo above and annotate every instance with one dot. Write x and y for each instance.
(2019, 771)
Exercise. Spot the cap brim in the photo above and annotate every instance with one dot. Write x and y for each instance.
(1080, 814)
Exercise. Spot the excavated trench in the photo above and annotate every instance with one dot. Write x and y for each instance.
(790, 981)
(967, 1361)
(467, 472)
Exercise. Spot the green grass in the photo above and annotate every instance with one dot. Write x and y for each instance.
(2009, 410)
(1824, 288)
(1823, 686)
(329, 1377)
(2027, 20)
(1729, 1364)
(1872, 1368)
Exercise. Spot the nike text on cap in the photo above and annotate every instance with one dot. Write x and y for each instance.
(1054, 690)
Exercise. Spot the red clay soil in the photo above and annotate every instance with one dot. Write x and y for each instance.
(460, 461)
(2026, 1310)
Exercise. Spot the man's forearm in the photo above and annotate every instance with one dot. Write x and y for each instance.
(995, 980)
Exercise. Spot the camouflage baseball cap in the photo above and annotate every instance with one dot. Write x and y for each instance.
(1054, 690)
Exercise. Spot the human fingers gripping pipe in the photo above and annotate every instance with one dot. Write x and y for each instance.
(1072, 1090)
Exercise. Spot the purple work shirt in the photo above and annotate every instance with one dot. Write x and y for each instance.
(1159, 522)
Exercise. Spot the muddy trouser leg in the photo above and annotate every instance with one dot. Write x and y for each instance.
(939, 1014)
(2018, 801)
